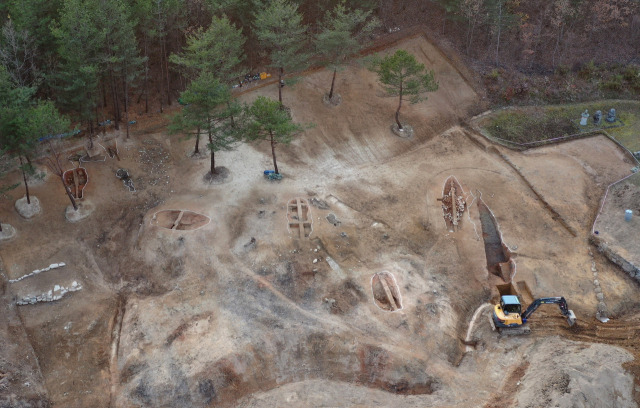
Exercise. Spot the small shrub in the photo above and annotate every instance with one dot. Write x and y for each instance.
(508, 94)
(631, 73)
(562, 70)
(614, 83)
(588, 70)
(632, 76)
(494, 74)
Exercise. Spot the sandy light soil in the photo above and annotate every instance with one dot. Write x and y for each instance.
(241, 311)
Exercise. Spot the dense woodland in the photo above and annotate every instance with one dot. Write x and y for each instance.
(92, 60)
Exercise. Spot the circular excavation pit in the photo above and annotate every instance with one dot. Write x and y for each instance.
(386, 293)
(181, 220)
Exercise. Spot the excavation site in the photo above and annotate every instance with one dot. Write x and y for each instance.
(366, 269)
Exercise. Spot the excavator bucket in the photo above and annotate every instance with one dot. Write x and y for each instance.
(571, 318)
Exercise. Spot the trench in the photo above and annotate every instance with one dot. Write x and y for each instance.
(115, 344)
(498, 256)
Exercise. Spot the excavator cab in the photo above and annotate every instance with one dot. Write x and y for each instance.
(508, 312)
(511, 304)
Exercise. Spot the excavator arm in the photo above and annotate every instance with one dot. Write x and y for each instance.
(560, 301)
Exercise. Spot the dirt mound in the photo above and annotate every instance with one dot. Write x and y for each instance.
(568, 374)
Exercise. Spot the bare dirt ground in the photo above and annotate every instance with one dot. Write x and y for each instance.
(241, 311)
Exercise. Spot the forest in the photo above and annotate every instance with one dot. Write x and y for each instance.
(91, 60)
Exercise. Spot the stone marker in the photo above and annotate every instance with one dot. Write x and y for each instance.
(585, 118)
(597, 117)
(611, 116)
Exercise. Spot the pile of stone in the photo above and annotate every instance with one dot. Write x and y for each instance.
(53, 294)
(37, 271)
(601, 312)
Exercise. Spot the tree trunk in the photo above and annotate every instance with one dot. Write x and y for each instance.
(444, 21)
(146, 76)
(166, 63)
(116, 108)
(90, 126)
(104, 95)
(273, 152)
(398, 111)
(472, 26)
(24, 177)
(96, 118)
(213, 156)
(73, 201)
(233, 122)
(126, 100)
(197, 141)
(161, 81)
(104, 117)
(333, 81)
(499, 33)
(280, 74)
(555, 50)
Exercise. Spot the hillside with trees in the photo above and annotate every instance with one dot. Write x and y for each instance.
(95, 58)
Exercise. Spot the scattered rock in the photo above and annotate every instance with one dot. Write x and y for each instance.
(37, 271)
(251, 244)
(333, 220)
(50, 296)
(320, 204)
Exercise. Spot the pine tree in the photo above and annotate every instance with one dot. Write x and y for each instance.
(280, 32)
(265, 120)
(77, 77)
(344, 33)
(210, 108)
(218, 49)
(23, 121)
(401, 75)
(120, 53)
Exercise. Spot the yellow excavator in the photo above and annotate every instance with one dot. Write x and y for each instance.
(508, 316)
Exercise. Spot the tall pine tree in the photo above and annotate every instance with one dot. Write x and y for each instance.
(280, 32)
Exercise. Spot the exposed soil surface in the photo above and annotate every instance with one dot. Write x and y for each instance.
(245, 310)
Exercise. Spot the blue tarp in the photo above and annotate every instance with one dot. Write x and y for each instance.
(60, 136)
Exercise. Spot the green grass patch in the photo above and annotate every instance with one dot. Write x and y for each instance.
(533, 124)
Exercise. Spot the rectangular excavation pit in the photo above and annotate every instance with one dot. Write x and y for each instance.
(299, 217)
(507, 289)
